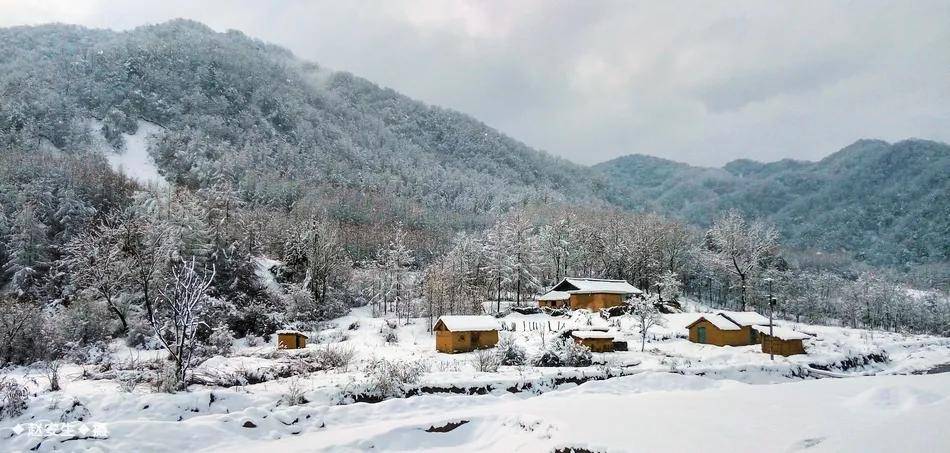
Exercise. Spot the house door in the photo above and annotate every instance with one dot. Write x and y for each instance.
(475, 340)
(701, 334)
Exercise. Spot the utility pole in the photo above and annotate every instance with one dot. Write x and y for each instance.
(771, 309)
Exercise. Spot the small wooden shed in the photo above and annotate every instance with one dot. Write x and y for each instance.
(596, 340)
(291, 339)
(554, 299)
(783, 341)
(465, 333)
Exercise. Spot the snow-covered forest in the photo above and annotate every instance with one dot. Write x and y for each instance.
(271, 194)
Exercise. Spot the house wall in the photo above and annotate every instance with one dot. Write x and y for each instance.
(595, 301)
(782, 347)
(553, 303)
(451, 342)
(717, 337)
(290, 341)
(597, 344)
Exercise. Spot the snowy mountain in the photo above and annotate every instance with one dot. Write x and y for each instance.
(282, 130)
(287, 133)
(882, 203)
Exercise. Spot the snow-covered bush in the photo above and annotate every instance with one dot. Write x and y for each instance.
(140, 334)
(294, 395)
(51, 369)
(167, 379)
(333, 357)
(75, 412)
(388, 331)
(220, 342)
(253, 340)
(486, 361)
(354, 325)
(509, 352)
(392, 379)
(546, 358)
(13, 398)
(564, 352)
(574, 354)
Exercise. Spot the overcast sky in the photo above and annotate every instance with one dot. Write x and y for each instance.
(698, 82)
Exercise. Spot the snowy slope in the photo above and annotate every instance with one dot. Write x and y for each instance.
(134, 160)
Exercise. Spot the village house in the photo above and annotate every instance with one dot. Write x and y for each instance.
(596, 340)
(590, 293)
(465, 333)
(291, 339)
(745, 320)
(782, 341)
(726, 328)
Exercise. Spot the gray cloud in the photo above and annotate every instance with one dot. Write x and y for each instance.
(699, 82)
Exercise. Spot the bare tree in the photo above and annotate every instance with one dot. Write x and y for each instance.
(740, 248)
(183, 303)
(95, 260)
(646, 316)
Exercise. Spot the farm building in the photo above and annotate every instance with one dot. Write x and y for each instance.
(554, 299)
(783, 341)
(594, 294)
(596, 340)
(465, 333)
(291, 339)
(745, 320)
(717, 330)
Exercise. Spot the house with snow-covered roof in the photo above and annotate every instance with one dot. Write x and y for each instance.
(721, 329)
(594, 294)
(465, 333)
(743, 328)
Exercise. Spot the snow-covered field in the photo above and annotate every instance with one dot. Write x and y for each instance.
(674, 396)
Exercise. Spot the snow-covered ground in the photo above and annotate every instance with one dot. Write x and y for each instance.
(134, 160)
(672, 397)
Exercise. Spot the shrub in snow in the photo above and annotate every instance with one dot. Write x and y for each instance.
(392, 379)
(140, 334)
(294, 395)
(486, 361)
(328, 357)
(564, 352)
(546, 358)
(167, 379)
(354, 325)
(13, 398)
(253, 340)
(573, 354)
(509, 352)
(388, 332)
(220, 342)
(75, 412)
(51, 369)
